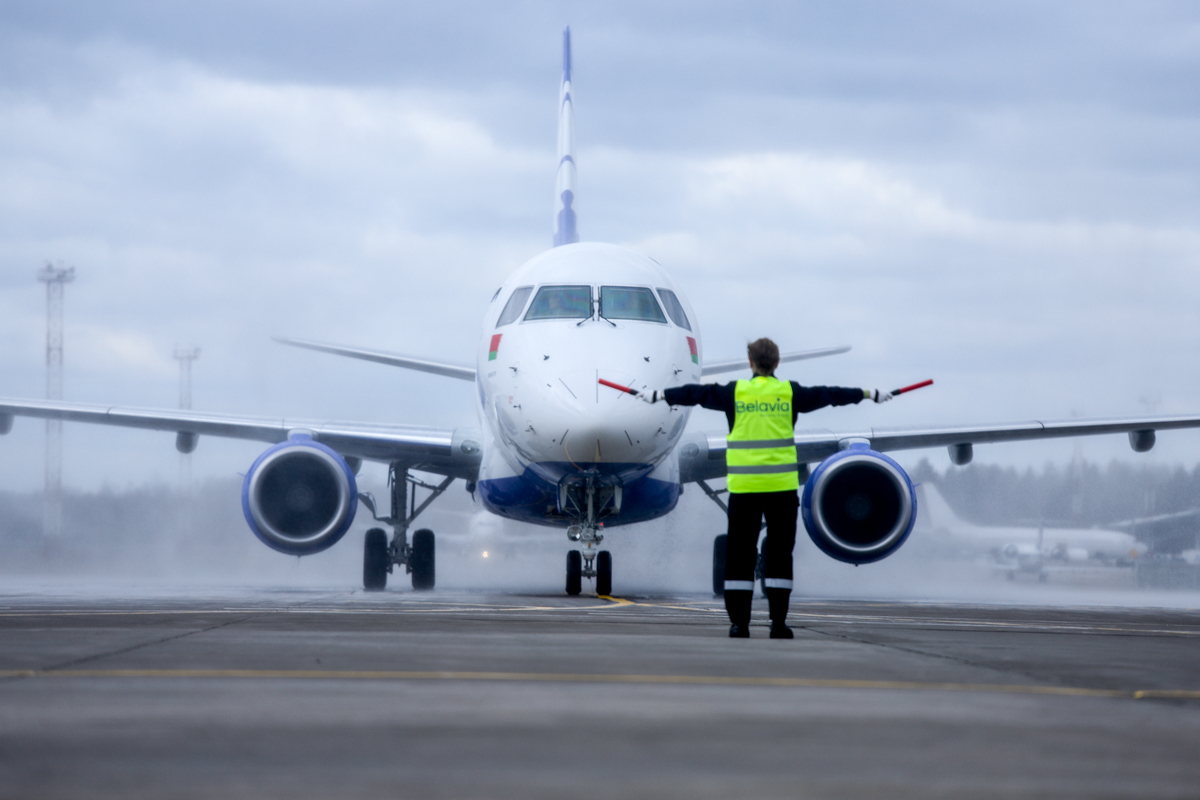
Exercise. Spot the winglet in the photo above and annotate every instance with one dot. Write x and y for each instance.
(565, 231)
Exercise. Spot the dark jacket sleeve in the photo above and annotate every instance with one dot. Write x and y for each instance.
(810, 398)
(721, 396)
(716, 396)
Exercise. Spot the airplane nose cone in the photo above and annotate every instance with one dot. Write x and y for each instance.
(582, 422)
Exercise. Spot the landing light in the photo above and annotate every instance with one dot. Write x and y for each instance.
(486, 554)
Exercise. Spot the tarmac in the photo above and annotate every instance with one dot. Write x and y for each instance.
(321, 692)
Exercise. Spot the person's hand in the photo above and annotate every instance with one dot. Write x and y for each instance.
(879, 396)
(652, 396)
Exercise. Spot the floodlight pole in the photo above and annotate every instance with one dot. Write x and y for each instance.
(185, 356)
(55, 279)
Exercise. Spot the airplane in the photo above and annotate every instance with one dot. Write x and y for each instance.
(1025, 549)
(553, 446)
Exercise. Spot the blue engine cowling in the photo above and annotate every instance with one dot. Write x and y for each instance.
(858, 505)
(299, 497)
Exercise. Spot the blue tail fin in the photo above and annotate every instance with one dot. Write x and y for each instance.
(565, 231)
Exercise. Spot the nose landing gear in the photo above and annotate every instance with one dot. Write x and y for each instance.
(590, 563)
(587, 498)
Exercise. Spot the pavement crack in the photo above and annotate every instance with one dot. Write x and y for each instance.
(142, 645)
(960, 660)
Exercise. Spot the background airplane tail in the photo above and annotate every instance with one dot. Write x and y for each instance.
(934, 511)
(565, 231)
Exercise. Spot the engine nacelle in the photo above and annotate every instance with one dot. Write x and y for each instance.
(1014, 551)
(299, 497)
(858, 505)
(1070, 555)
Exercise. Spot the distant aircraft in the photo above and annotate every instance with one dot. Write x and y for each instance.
(555, 448)
(1028, 549)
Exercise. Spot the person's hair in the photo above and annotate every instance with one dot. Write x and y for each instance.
(763, 355)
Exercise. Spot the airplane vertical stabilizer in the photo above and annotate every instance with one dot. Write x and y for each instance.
(565, 231)
(936, 512)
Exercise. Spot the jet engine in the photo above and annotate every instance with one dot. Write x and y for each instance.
(858, 505)
(299, 497)
(1070, 555)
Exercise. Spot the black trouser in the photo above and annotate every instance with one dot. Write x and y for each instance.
(746, 513)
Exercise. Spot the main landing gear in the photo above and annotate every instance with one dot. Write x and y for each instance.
(721, 540)
(588, 497)
(418, 558)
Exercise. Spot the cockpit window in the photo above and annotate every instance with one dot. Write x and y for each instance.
(514, 306)
(561, 302)
(629, 302)
(674, 308)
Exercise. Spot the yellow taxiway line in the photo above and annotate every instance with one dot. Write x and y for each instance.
(571, 677)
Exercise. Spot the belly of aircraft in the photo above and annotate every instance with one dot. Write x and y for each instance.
(530, 497)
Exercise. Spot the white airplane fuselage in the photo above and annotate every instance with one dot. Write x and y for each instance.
(546, 419)
(1012, 542)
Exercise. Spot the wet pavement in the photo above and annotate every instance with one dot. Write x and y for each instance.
(320, 692)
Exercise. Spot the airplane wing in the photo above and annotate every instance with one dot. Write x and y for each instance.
(468, 373)
(1169, 533)
(1138, 523)
(383, 357)
(703, 458)
(717, 367)
(443, 452)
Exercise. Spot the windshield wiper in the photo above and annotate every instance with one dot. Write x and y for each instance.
(595, 315)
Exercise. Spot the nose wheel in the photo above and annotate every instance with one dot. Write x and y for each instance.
(587, 498)
(588, 563)
(604, 573)
(574, 572)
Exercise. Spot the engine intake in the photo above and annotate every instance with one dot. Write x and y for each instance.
(299, 497)
(859, 506)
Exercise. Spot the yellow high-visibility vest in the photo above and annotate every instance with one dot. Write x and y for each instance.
(760, 455)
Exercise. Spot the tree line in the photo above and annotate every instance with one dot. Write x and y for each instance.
(1080, 494)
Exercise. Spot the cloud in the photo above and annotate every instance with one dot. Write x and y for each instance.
(997, 195)
(109, 350)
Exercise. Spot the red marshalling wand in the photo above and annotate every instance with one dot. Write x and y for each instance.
(915, 386)
(617, 386)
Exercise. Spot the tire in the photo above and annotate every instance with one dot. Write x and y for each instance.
(423, 560)
(718, 564)
(375, 560)
(574, 572)
(760, 568)
(604, 573)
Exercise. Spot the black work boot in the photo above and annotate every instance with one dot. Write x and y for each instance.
(780, 631)
(737, 606)
(778, 601)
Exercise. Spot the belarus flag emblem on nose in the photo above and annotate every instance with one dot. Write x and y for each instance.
(692, 350)
(495, 346)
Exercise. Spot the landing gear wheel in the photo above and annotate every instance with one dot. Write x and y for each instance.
(718, 564)
(760, 568)
(423, 562)
(375, 560)
(604, 573)
(574, 572)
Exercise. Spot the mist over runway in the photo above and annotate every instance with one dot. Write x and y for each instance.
(321, 691)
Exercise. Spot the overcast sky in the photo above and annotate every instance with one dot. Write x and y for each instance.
(1000, 196)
